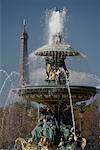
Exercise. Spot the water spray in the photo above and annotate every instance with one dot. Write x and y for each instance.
(56, 23)
(71, 104)
(8, 77)
(5, 72)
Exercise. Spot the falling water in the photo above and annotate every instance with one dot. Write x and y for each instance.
(56, 21)
(1, 70)
(5, 74)
(98, 100)
(71, 104)
(7, 78)
(12, 98)
(7, 100)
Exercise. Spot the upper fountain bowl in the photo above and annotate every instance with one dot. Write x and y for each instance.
(49, 50)
(58, 48)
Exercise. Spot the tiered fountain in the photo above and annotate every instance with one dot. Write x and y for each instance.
(56, 127)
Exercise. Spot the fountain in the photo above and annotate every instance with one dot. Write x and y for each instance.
(56, 128)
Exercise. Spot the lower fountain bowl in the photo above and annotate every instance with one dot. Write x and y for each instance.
(47, 94)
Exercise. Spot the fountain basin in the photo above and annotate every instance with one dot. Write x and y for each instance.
(49, 50)
(54, 94)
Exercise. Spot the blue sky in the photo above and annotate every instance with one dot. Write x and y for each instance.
(83, 30)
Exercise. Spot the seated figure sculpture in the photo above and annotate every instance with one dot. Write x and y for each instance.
(59, 72)
(37, 133)
(64, 131)
(45, 128)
